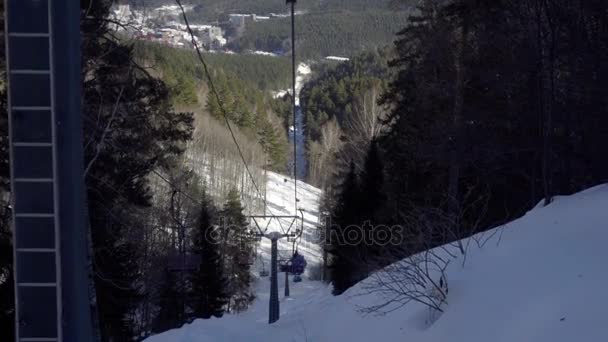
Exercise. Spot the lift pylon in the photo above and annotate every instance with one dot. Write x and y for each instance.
(291, 229)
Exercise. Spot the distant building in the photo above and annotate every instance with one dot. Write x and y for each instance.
(212, 37)
(217, 44)
(237, 20)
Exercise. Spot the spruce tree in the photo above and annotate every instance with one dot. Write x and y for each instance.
(142, 134)
(170, 314)
(208, 296)
(373, 198)
(372, 184)
(346, 259)
(237, 248)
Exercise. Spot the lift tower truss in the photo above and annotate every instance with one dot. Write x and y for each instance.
(292, 228)
(47, 174)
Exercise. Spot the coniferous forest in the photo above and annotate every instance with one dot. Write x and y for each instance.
(493, 107)
(326, 33)
(447, 120)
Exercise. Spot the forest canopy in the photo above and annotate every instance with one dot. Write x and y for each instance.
(329, 33)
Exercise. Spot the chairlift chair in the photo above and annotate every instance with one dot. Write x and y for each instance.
(264, 272)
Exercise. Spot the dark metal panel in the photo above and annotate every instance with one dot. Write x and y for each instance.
(36, 267)
(30, 90)
(28, 16)
(35, 232)
(38, 309)
(38, 313)
(33, 162)
(273, 304)
(30, 53)
(33, 198)
(77, 320)
(32, 126)
(43, 53)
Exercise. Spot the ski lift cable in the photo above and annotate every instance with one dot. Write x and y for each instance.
(216, 95)
(293, 101)
(158, 174)
(164, 179)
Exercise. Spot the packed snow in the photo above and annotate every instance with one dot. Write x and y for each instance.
(540, 278)
(280, 201)
(303, 73)
(265, 53)
(337, 58)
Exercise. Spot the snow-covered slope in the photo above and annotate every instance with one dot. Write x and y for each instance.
(281, 203)
(542, 278)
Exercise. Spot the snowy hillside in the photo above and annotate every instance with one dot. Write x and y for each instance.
(540, 278)
(280, 202)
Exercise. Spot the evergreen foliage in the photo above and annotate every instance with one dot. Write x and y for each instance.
(262, 73)
(171, 314)
(326, 33)
(494, 106)
(237, 252)
(358, 209)
(243, 83)
(372, 186)
(130, 130)
(211, 10)
(208, 283)
(335, 90)
(346, 260)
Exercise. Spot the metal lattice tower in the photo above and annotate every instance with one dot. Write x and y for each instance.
(47, 174)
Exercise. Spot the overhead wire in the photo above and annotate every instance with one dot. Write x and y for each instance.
(216, 95)
(160, 176)
(293, 101)
(224, 113)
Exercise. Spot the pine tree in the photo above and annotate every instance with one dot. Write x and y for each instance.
(213, 107)
(170, 314)
(346, 259)
(373, 197)
(208, 296)
(143, 134)
(272, 144)
(372, 184)
(237, 249)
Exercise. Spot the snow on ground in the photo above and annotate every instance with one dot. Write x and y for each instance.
(264, 53)
(302, 75)
(281, 202)
(541, 278)
(337, 58)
